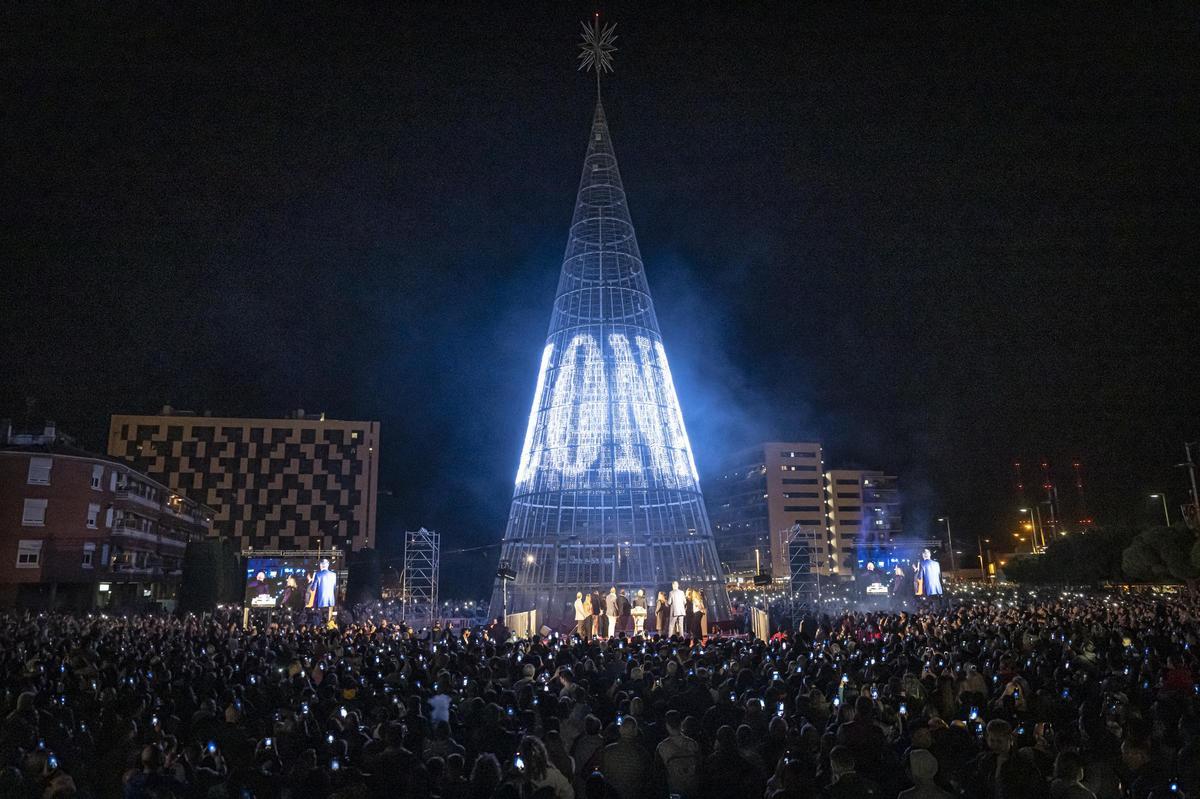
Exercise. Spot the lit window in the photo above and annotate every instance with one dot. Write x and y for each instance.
(29, 554)
(34, 514)
(92, 515)
(97, 476)
(89, 554)
(39, 471)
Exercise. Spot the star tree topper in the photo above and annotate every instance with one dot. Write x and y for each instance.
(597, 47)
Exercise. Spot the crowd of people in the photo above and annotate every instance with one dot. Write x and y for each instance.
(995, 695)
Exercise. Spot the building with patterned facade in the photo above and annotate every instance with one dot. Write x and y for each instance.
(302, 482)
(81, 530)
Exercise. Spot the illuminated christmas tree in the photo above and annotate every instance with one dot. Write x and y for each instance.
(606, 492)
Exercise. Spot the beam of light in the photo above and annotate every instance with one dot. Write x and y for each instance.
(679, 436)
(527, 456)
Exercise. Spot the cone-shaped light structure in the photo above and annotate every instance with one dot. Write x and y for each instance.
(606, 490)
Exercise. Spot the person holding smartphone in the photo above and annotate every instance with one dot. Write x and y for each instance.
(533, 763)
(152, 778)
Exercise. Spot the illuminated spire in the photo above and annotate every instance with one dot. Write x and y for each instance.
(606, 489)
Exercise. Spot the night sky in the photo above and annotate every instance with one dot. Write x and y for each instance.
(936, 240)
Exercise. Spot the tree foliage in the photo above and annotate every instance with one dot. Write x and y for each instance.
(212, 573)
(1163, 554)
(1089, 557)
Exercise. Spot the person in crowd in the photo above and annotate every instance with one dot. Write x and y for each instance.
(1003, 770)
(922, 770)
(725, 772)
(678, 759)
(485, 777)
(151, 781)
(625, 763)
(845, 781)
(1068, 778)
(533, 764)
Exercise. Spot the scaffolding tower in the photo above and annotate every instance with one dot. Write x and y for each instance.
(419, 581)
(804, 584)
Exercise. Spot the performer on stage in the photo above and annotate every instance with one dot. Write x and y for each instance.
(610, 608)
(901, 588)
(866, 578)
(323, 590)
(678, 603)
(699, 614)
(580, 615)
(598, 623)
(624, 609)
(292, 598)
(639, 613)
(662, 614)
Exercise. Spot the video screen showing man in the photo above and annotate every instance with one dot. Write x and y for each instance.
(928, 576)
(281, 583)
(323, 587)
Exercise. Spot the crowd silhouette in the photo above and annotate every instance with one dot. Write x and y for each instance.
(997, 695)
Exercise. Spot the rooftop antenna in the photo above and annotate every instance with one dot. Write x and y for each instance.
(595, 53)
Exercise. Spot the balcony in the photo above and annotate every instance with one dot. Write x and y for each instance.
(131, 531)
(125, 530)
(187, 513)
(131, 495)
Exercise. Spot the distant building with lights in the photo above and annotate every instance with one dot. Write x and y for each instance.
(761, 493)
(80, 530)
(863, 514)
(302, 482)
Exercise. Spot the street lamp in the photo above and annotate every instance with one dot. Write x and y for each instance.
(1166, 512)
(983, 573)
(1035, 519)
(950, 539)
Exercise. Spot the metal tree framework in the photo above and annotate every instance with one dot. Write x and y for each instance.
(419, 592)
(606, 492)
